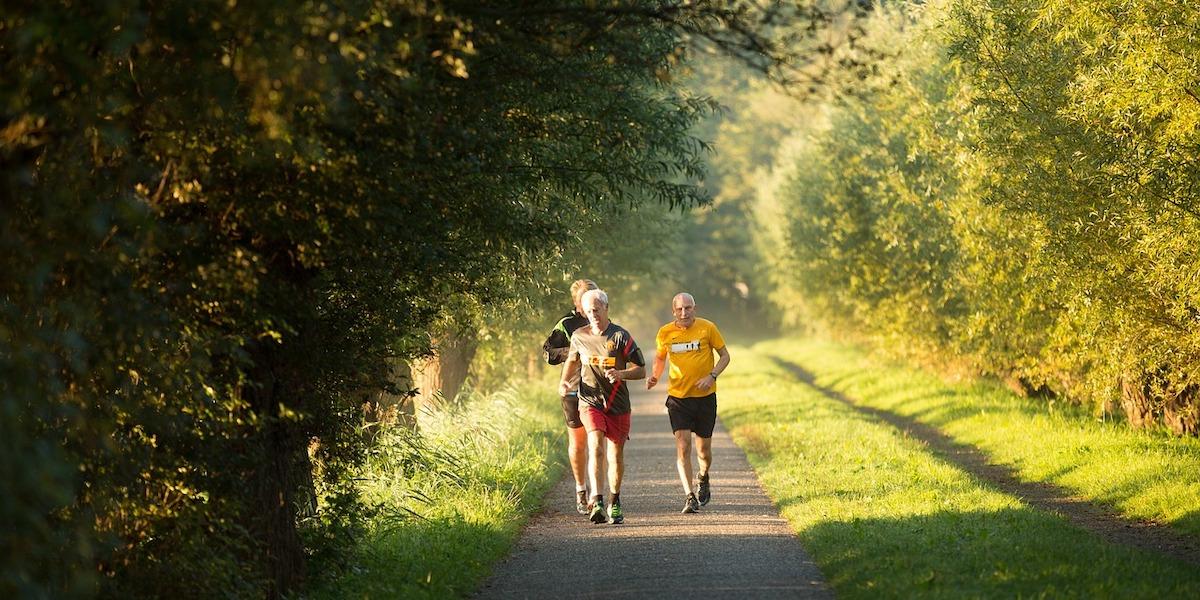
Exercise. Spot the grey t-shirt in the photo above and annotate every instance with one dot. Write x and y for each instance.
(615, 349)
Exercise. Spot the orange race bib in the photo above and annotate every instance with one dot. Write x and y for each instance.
(601, 361)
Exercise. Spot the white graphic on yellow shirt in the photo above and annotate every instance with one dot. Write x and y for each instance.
(692, 346)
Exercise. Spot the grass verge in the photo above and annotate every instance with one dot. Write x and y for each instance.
(885, 518)
(1147, 475)
(454, 497)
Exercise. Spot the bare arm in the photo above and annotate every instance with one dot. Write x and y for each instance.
(660, 363)
(633, 372)
(568, 373)
(722, 361)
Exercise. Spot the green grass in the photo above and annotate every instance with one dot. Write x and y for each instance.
(885, 518)
(1148, 475)
(473, 476)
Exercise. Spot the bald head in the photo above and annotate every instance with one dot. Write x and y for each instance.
(683, 307)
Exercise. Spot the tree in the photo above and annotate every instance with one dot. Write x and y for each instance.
(222, 224)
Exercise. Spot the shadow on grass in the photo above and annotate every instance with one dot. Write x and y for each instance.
(1099, 519)
(1008, 553)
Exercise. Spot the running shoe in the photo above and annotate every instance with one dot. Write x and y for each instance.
(597, 515)
(581, 502)
(704, 494)
(615, 516)
(690, 505)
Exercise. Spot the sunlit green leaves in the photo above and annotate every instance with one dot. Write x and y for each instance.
(1019, 194)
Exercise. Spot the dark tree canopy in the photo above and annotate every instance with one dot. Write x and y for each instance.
(220, 220)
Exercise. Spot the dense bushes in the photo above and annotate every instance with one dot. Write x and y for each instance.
(222, 223)
(1016, 187)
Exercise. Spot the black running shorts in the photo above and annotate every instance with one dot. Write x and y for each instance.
(570, 404)
(697, 414)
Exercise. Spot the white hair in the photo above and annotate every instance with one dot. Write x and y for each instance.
(596, 293)
(682, 296)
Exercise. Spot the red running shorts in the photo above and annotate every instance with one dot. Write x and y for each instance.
(615, 427)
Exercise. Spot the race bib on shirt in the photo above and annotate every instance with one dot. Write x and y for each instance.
(600, 361)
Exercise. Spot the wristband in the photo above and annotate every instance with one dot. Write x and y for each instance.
(713, 375)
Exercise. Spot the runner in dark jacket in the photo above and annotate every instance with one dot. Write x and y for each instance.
(554, 351)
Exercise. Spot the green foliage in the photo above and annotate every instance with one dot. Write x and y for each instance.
(727, 255)
(452, 497)
(220, 221)
(714, 257)
(1095, 156)
(1012, 189)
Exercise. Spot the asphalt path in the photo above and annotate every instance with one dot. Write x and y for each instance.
(735, 547)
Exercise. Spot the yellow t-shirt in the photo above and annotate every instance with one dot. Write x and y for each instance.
(691, 354)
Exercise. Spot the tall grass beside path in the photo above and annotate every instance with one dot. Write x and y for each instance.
(453, 497)
(1144, 475)
(885, 517)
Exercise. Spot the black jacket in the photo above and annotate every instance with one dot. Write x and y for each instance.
(558, 343)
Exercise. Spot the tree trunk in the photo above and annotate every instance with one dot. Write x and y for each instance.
(533, 365)
(1149, 397)
(1136, 402)
(392, 407)
(281, 455)
(440, 377)
(277, 519)
(1181, 411)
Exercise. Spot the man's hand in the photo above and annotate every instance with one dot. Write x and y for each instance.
(564, 387)
(613, 375)
(651, 382)
(706, 382)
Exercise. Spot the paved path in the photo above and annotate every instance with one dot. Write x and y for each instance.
(736, 547)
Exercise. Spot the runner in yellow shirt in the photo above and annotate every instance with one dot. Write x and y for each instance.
(691, 390)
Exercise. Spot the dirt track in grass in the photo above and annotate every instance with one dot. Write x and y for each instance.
(1099, 519)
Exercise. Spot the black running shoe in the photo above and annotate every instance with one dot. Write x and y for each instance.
(596, 509)
(703, 494)
(690, 505)
(581, 502)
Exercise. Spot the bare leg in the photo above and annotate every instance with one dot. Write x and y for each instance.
(596, 447)
(683, 458)
(577, 454)
(704, 453)
(616, 466)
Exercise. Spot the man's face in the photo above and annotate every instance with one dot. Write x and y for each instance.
(596, 311)
(684, 309)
